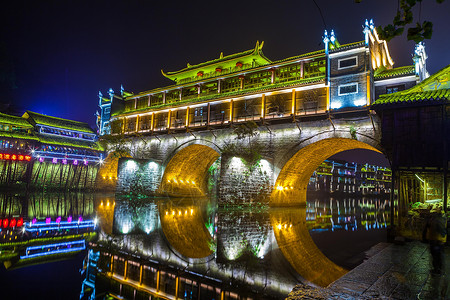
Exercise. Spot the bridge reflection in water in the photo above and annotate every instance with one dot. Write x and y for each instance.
(190, 249)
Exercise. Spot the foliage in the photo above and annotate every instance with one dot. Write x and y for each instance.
(403, 18)
(353, 132)
(246, 130)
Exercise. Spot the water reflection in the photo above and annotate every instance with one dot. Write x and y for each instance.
(188, 248)
(191, 249)
(38, 228)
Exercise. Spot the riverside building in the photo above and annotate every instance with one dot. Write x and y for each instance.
(248, 86)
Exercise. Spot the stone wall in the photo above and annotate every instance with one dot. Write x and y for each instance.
(249, 166)
(138, 176)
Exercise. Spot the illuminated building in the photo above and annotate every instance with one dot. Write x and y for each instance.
(35, 145)
(415, 133)
(248, 86)
(350, 178)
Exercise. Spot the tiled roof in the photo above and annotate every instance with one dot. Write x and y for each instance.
(58, 122)
(395, 72)
(14, 120)
(64, 141)
(435, 88)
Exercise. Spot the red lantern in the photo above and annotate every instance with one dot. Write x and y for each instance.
(20, 157)
(7, 156)
(20, 222)
(27, 157)
(14, 157)
(218, 70)
(239, 64)
(200, 74)
(1, 156)
(12, 223)
(5, 223)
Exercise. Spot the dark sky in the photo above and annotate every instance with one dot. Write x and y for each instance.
(64, 52)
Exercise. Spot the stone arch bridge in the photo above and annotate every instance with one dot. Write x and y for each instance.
(275, 159)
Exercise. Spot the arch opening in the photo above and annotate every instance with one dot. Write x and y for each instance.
(186, 173)
(292, 182)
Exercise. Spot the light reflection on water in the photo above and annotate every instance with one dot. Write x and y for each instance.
(238, 247)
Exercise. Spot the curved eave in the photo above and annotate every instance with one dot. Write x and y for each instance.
(219, 62)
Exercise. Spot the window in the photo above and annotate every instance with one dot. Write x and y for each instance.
(346, 89)
(395, 88)
(347, 62)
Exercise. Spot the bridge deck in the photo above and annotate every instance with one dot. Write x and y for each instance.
(395, 272)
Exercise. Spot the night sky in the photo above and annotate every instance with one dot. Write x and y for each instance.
(61, 53)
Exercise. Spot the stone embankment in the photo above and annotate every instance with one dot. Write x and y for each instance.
(393, 272)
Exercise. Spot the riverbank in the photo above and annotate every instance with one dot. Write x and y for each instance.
(393, 271)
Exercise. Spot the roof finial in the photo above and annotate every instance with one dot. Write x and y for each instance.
(221, 55)
(371, 25)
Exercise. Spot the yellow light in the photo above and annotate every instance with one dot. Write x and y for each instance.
(292, 187)
(104, 177)
(175, 181)
(110, 177)
(185, 212)
(187, 181)
(179, 212)
(290, 226)
(173, 212)
(285, 226)
(192, 211)
(181, 181)
(279, 188)
(107, 203)
(193, 182)
(101, 204)
(167, 212)
(168, 180)
(286, 188)
(114, 203)
(279, 226)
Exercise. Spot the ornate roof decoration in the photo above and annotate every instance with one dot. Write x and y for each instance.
(435, 88)
(39, 119)
(222, 65)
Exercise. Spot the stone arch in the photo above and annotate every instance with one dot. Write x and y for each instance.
(186, 169)
(184, 228)
(292, 181)
(106, 179)
(297, 246)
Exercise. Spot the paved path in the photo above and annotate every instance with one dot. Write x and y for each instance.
(392, 272)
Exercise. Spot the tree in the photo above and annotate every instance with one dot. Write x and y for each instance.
(404, 17)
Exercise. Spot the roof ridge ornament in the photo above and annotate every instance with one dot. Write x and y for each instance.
(366, 32)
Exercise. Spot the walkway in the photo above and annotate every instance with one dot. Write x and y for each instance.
(392, 272)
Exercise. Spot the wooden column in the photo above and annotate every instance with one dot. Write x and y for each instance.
(124, 124)
(263, 106)
(219, 85)
(208, 119)
(164, 98)
(187, 117)
(231, 111)
(149, 101)
(135, 102)
(125, 270)
(140, 274)
(293, 103)
(301, 69)
(168, 119)
(137, 123)
(152, 124)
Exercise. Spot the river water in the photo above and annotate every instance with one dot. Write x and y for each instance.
(191, 245)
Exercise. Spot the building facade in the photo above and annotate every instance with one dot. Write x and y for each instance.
(248, 86)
